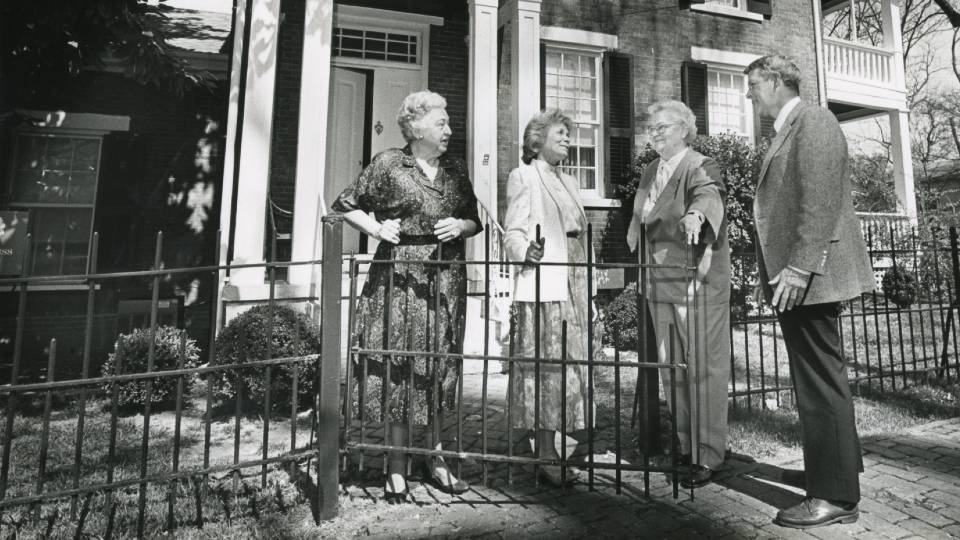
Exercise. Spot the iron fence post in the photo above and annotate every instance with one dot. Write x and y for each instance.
(328, 425)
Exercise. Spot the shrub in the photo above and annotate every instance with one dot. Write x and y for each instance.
(620, 319)
(245, 339)
(131, 353)
(899, 286)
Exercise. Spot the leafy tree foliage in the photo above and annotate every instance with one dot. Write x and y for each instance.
(45, 43)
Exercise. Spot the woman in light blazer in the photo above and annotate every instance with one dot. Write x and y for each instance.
(680, 206)
(540, 194)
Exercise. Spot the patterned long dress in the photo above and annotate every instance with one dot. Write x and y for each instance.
(523, 380)
(403, 314)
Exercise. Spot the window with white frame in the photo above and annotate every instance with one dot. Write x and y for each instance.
(573, 84)
(728, 107)
(55, 178)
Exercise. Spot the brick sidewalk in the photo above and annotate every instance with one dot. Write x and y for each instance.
(911, 489)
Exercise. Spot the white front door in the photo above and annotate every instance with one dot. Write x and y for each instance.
(390, 86)
(348, 101)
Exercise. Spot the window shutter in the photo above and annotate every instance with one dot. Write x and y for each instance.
(543, 76)
(693, 92)
(618, 118)
(119, 192)
(763, 7)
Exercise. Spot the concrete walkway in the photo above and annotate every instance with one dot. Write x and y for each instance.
(911, 489)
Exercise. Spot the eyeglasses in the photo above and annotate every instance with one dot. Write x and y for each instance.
(659, 129)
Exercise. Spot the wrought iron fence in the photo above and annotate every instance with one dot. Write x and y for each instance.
(903, 333)
(78, 456)
(72, 449)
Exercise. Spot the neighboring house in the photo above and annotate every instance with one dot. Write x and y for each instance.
(314, 86)
(124, 160)
(943, 178)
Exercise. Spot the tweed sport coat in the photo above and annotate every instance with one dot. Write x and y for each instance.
(696, 184)
(804, 210)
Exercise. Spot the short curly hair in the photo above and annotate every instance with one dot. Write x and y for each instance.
(681, 111)
(536, 131)
(414, 107)
(777, 65)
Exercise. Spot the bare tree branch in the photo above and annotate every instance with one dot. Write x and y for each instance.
(953, 15)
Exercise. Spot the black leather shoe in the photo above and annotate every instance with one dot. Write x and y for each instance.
(698, 476)
(813, 512)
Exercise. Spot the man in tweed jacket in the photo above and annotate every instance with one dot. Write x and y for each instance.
(811, 257)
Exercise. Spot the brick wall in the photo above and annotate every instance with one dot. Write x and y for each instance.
(659, 35)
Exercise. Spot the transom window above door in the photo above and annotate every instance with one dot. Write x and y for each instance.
(389, 46)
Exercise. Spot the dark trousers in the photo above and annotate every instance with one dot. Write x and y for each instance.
(831, 447)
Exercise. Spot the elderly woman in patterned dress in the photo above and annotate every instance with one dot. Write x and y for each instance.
(425, 207)
(540, 194)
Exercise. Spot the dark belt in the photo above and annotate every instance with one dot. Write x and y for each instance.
(575, 234)
(417, 239)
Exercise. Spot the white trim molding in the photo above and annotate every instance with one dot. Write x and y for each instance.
(717, 9)
(345, 14)
(102, 123)
(559, 36)
(722, 59)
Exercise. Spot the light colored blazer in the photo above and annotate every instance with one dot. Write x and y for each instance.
(804, 210)
(530, 203)
(696, 184)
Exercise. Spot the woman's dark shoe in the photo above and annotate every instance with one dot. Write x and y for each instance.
(552, 475)
(813, 512)
(395, 489)
(697, 476)
(444, 479)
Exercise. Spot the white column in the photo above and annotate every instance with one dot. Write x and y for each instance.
(902, 161)
(309, 206)
(818, 46)
(229, 155)
(893, 40)
(482, 103)
(254, 174)
(524, 64)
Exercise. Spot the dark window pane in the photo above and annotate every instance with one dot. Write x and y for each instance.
(82, 188)
(27, 186)
(30, 152)
(85, 158)
(400, 48)
(376, 35)
(375, 46)
(352, 43)
(53, 186)
(59, 154)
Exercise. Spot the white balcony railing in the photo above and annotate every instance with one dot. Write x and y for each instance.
(856, 62)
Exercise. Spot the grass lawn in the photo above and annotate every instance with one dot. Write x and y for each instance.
(242, 507)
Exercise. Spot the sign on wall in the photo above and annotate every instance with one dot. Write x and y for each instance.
(13, 241)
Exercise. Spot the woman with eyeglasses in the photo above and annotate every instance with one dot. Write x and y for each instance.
(679, 207)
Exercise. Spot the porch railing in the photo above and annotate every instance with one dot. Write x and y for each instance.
(857, 62)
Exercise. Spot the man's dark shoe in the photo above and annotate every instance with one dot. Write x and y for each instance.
(697, 476)
(813, 512)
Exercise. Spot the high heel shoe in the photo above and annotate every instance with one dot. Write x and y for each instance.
(438, 471)
(392, 493)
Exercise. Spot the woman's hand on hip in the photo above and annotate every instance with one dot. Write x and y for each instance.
(448, 229)
(389, 231)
